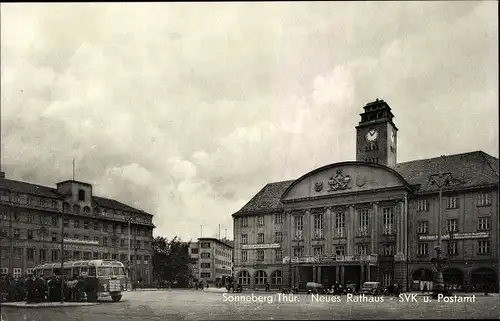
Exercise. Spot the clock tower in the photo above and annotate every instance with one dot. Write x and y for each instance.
(376, 135)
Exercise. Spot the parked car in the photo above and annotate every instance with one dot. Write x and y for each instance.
(313, 287)
(372, 288)
(351, 288)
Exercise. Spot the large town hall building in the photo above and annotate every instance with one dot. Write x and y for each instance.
(374, 219)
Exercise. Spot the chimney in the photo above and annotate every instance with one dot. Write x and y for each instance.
(2, 174)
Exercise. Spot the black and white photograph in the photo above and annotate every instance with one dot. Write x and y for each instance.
(269, 160)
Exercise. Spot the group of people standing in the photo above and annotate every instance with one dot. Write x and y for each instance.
(37, 289)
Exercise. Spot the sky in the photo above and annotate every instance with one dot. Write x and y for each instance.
(187, 110)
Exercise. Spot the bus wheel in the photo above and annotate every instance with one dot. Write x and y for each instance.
(116, 298)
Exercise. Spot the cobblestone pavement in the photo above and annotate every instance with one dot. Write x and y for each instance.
(197, 305)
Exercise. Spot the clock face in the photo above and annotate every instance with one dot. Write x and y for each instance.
(372, 135)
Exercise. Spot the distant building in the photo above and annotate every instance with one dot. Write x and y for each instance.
(94, 228)
(373, 219)
(213, 260)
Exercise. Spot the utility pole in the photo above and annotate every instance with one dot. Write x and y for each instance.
(440, 180)
(11, 239)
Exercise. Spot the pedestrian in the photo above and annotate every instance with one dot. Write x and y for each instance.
(424, 290)
(268, 287)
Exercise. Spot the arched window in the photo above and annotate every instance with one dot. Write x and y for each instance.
(86, 210)
(76, 209)
(244, 278)
(277, 277)
(66, 208)
(260, 277)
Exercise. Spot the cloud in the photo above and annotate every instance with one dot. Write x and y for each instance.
(187, 110)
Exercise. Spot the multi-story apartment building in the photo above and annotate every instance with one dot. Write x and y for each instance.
(213, 260)
(31, 219)
(373, 219)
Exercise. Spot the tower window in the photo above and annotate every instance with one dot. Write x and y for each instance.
(81, 195)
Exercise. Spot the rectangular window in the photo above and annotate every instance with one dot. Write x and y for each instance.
(278, 218)
(205, 275)
(339, 225)
(244, 255)
(423, 227)
(362, 249)
(260, 238)
(298, 225)
(386, 279)
(484, 199)
(205, 255)
(42, 255)
(422, 249)
(105, 241)
(244, 221)
(30, 253)
(388, 249)
(54, 221)
(30, 218)
(298, 251)
(422, 206)
(452, 225)
(205, 245)
(66, 255)
(452, 202)
(95, 256)
(278, 255)
(17, 233)
(483, 223)
(86, 225)
(77, 255)
(278, 237)
(54, 255)
(340, 249)
(318, 226)
(318, 251)
(388, 221)
(66, 222)
(260, 220)
(244, 239)
(76, 224)
(30, 234)
(260, 255)
(363, 222)
(483, 247)
(96, 226)
(452, 248)
(17, 273)
(54, 237)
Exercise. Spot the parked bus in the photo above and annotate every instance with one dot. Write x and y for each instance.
(105, 278)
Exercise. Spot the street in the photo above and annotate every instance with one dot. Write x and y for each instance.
(201, 305)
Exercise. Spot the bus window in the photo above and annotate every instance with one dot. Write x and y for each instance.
(92, 271)
(118, 271)
(104, 271)
(76, 272)
(47, 272)
(56, 271)
(84, 271)
(67, 273)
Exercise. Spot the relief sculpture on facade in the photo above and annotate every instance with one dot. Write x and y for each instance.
(339, 182)
(318, 186)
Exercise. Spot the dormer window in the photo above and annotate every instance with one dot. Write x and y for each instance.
(81, 195)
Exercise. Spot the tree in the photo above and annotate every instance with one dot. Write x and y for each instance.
(171, 260)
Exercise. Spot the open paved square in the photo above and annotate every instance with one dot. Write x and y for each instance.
(198, 305)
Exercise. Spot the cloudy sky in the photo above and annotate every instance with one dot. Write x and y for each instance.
(187, 110)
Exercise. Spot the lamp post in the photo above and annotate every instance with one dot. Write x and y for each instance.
(62, 256)
(440, 180)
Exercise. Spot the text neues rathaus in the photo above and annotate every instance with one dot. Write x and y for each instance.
(94, 228)
(374, 219)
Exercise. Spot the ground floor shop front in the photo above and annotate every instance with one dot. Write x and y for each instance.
(461, 276)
